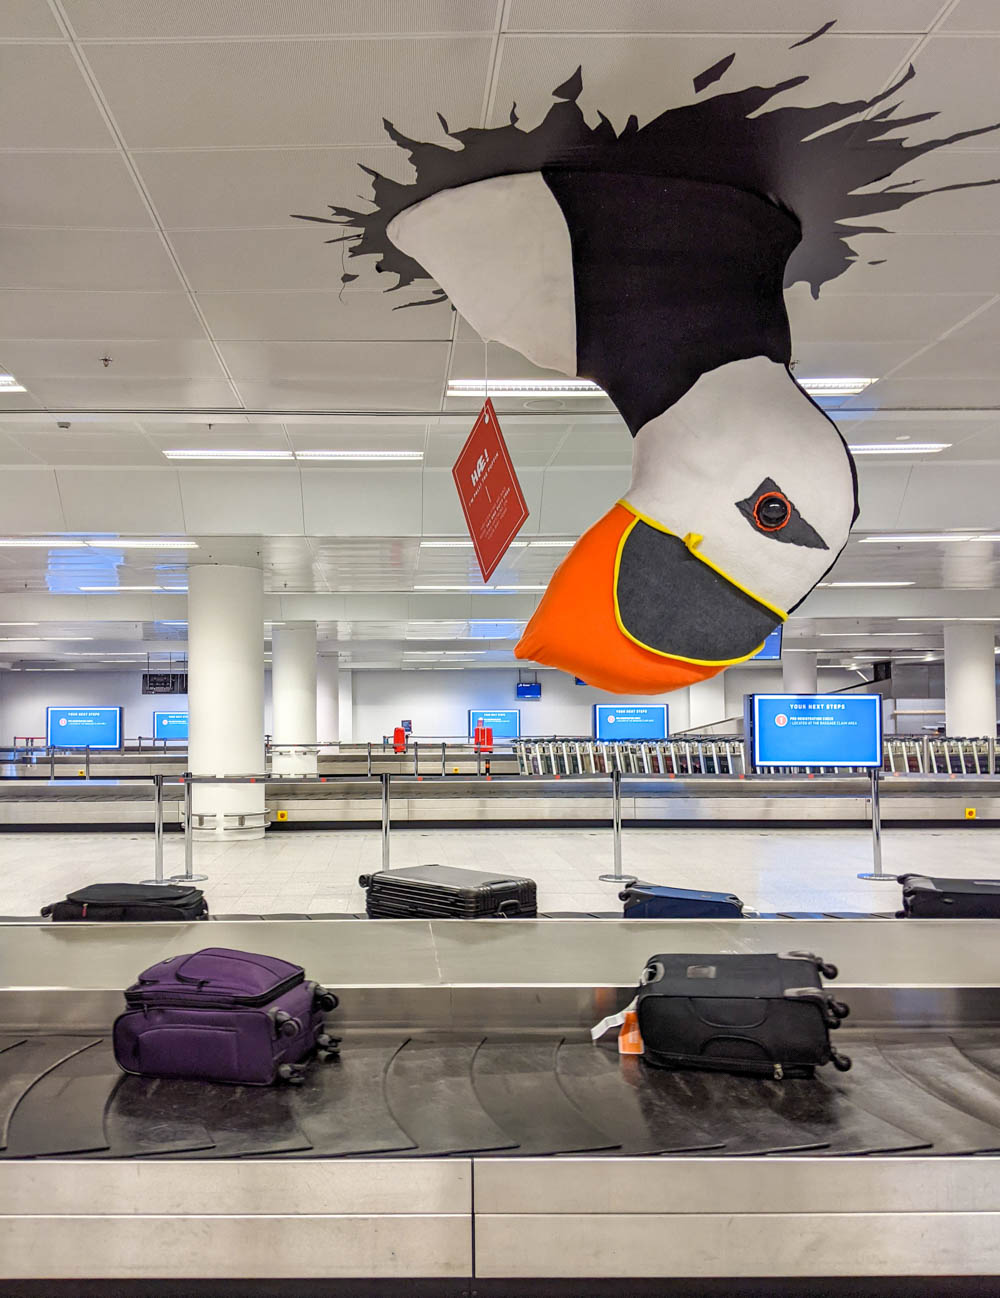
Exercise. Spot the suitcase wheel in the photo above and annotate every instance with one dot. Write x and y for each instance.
(364, 881)
(829, 971)
(285, 1024)
(326, 1000)
(840, 1009)
(293, 1074)
(841, 1062)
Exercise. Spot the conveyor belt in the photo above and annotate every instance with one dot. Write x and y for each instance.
(508, 1095)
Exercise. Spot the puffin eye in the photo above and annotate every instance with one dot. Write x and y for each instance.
(770, 513)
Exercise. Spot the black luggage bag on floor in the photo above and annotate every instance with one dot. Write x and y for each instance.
(129, 903)
(925, 898)
(766, 1015)
(653, 901)
(443, 892)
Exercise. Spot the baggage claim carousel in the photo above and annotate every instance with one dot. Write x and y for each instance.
(471, 1139)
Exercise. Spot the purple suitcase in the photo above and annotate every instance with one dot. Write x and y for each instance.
(223, 1016)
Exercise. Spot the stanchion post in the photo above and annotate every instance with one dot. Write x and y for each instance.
(384, 778)
(876, 832)
(369, 758)
(416, 757)
(189, 875)
(52, 763)
(86, 762)
(444, 759)
(616, 831)
(157, 831)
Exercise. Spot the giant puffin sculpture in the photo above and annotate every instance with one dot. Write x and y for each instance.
(653, 262)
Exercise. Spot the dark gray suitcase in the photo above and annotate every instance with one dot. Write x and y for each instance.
(926, 898)
(444, 892)
(766, 1015)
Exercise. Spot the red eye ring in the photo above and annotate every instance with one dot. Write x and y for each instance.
(763, 499)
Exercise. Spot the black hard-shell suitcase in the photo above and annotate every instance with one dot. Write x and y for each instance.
(766, 1015)
(925, 898)
(443, 892)
(652, 901)
(130, 903)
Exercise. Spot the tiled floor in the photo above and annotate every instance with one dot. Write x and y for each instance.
(301, 871)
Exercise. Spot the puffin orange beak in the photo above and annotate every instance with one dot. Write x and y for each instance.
(634, 610)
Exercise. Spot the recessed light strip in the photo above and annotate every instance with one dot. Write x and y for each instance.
(858, 585)
(93, 543)
(898, 448)
(10, 384)
(208, 453)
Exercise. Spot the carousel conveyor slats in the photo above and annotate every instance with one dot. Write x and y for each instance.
(511, 1095)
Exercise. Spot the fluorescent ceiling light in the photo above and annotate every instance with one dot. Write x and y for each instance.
(865, 583)
(949, 619)
(122, 544)
(899, 448)
(19, 624)
(359, 455)
(467, 545)
(48, 669)
(113, 590)
(10, 384)
(551, 545)
(524, 388)
(919, 538)
(481, 590)
(43, 639)
(39, 542)
(227, 455)
(839, 387)
(852, 635)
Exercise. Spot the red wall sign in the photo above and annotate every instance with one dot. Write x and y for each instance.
(492, 500)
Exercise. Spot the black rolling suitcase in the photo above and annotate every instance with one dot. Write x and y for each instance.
(766, 1015)
(925, 898)
(652, 901)
(129, 903)
(443, 892)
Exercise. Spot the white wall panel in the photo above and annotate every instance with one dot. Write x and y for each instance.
(573, 499)
(121, 500)
(362, 502)
(951, 496)
(442, 514)
(30, 502)
(24, 697)
(242, 502)
(881, 488)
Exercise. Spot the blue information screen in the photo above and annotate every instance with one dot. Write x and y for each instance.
(505, 722)
(83, 727)
(630, 721)
(770, 651)
(170, 725)
(817, 730)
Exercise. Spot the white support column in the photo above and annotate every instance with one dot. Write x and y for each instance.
(293, 699)
(970, 697)
(226, 697)
(327, 698)
(345, 706)
(798, 673)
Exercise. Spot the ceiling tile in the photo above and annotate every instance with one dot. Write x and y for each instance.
(347, 393)
(376, 362)
(803, 17)
(134, 394)
(300, 316)
(26, 20)
(70, 189)
(87, 259)
(362, 502)
(139, 501)
(129, 360)
(234, 501)
(928, 394)
(250, 188)
(873, 317)
(827, 359)
(958, 74)
(150, 20)
(645, 74)
(14, 451)
(974, 16)
(86, 447)
(246, 261)
(297, 93)
(102, 314)
(45, 102)
(922, 263)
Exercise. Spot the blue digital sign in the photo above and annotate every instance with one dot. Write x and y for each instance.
(505, 723)
(816, 729)
(83, 727)
(612, 721)
(170, 725)
(770, 651)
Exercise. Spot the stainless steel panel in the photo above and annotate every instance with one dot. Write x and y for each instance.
(264, 1187)
(728, 1244)
(223, 1247)
(668, 1186)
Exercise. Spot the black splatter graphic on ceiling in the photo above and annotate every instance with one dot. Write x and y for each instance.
(778, 154)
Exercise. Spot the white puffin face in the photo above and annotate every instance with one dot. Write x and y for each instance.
(747, 462)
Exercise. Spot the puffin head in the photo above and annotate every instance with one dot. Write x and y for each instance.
(742, 496)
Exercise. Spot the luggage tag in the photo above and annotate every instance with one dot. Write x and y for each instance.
(626, 1020)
